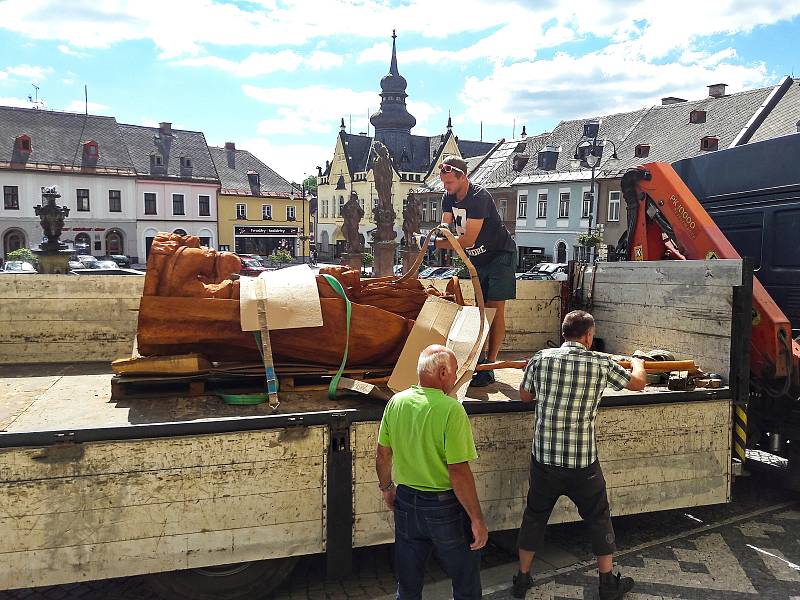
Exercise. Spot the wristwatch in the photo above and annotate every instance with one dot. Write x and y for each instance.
(387, 487)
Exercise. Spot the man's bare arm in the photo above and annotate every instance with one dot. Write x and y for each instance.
(463, 484)
(638, 376)
(383, 467)
(525, 395)
(473, 228)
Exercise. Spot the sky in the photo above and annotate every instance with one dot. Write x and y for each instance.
(277, 76)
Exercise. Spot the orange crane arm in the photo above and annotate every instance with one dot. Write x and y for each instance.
(666, 221)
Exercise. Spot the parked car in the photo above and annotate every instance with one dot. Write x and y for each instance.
(88, 261)
(108, 264)
(75, 264)
(534, 276)
(120, 259)
(559, 271)
(433, 272)
(251, 267)
(18, 267)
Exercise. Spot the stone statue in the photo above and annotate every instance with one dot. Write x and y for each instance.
(383, 173)
(412, 218)
(51, 218)
(352, 214)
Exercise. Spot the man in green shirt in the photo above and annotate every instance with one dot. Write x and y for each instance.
(426, 436)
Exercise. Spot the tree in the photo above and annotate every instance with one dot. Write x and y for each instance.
(311, 185)
(23, 254)
(280, 257)
(367, 259)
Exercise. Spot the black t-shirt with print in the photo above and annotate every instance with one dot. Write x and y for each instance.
(493, 236)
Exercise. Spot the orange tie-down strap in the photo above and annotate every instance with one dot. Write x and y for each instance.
(651, 366)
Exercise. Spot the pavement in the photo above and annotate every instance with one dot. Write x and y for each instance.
(749, 548)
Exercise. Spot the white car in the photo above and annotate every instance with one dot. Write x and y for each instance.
(18, 267)
(558, 271)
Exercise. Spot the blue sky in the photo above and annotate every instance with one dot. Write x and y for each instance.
(275, 76)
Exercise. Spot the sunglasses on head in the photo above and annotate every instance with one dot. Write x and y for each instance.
(446, 168)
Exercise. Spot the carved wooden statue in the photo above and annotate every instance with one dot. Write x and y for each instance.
(352, 214)
(383, 173)
(412, 219)
(191, 304)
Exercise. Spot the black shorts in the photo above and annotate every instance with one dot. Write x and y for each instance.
(497, 277)
(585, 487)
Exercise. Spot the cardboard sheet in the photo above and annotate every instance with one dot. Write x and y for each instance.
(292, 299)
(439, 322)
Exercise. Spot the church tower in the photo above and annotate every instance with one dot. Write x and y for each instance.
(393, 122)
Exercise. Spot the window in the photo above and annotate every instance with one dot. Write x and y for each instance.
(563, 205)
(642, 150)
(291, 213)
(186, 162)
(157, 160)
(697, 116)
(587, 205)
(325, 205)
(177, 205)
(341, 206)
(424, 212)
(541, 207)
(709, 142)
(150, 203)
(204, 206)
(11, 197)
(114, 201)
(434, 211)
(23, 143)
(613, 206)
(83, 200)
(266, 212)
(522, 206)
(502, 209)
(241, 211)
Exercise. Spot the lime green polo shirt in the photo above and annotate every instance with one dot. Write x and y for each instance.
(426, 430)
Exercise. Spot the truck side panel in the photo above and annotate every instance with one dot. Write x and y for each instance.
(110, 509)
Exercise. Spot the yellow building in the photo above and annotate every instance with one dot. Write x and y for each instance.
(259, 212)
(415, 158)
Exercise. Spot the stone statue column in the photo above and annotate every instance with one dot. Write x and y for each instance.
(383, 242)
(52, 254)
(412, 218)
(352, 214)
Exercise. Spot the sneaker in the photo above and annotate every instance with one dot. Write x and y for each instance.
(482, 379)
(615, 587)
(522, 582)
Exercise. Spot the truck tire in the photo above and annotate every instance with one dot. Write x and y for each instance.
(239, 581)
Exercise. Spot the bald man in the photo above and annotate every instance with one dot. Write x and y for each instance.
(426, 439)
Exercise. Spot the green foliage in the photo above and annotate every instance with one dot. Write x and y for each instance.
(463, 272)
(23, 254)
(311, 184)
(280, 257)
(590, 240)
(367, 259)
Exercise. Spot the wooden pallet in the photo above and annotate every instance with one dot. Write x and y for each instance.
(155, 386)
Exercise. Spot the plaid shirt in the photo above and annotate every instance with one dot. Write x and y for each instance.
(568, 383)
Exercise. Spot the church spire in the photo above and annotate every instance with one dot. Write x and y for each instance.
(393, 66)
(393, 114)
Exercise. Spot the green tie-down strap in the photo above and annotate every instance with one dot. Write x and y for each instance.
(337, 287)
(269, 371)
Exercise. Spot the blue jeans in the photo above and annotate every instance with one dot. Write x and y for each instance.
(426, 521)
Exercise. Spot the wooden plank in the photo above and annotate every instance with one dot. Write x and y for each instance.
(68, 309)
(23, 464)
(86, 332)
(724, 273)
(81, 527)
(163, 553)
(697, 319)
(18, 393)
(70, 286)
(665, 295)
(118, 491)
(64, 352)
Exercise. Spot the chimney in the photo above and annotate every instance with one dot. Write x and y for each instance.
(671, 100)
(230, 145)
(165, 128)
(717, 90)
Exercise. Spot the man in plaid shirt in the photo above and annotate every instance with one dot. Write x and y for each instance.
(567, 383)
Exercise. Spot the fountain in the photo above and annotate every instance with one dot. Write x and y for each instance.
(53, 255)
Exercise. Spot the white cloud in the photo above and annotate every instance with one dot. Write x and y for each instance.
(318, 109)
(64, 49)
(16, 102)
(80, 106)
(319, 60)
(264, 63)
(568, 86)
(32, 72)
(292, 161)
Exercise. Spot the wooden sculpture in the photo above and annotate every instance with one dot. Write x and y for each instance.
(191, 304)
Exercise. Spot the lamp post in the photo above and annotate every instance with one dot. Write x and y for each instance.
(303, 237)
(587, 152)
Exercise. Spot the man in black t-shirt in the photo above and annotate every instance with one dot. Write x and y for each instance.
(487, 242)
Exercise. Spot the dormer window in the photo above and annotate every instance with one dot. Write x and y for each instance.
(697, 116)
(254, 179)
(23, 143)
(709, 143)
(157, 160)
(548, 157)
(186, 162)
(91, 149)
(642, 150)
(519, 161)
